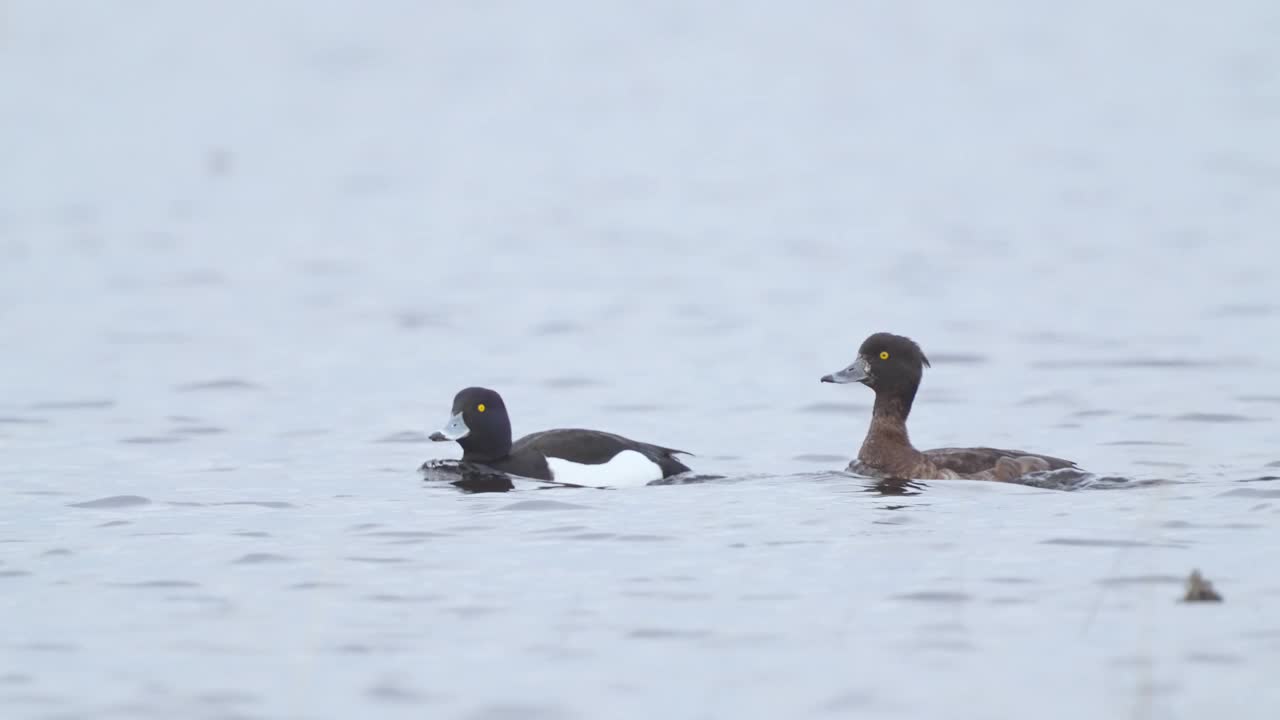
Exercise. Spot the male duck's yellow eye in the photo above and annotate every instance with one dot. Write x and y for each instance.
(884, 354)
(480, 407)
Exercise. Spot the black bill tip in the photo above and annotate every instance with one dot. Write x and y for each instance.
(827, 378)
(438, 436)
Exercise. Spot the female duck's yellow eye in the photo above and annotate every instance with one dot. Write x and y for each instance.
(480, 407)
(884, 354)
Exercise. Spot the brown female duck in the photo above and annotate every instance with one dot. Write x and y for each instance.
(892, 366)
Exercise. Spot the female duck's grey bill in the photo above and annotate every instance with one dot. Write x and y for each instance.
(859, 371)
(456, 429)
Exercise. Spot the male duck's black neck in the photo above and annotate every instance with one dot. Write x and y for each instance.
(484, 450)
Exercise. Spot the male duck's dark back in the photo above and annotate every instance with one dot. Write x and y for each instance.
(587, 447)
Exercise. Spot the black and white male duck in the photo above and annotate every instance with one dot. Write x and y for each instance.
(892, 366)
(479, 423)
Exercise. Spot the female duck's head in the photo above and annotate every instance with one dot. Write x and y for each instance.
(891, 365)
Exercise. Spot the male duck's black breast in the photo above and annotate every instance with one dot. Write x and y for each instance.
(590, 447)
(525, 464)
(975, 461)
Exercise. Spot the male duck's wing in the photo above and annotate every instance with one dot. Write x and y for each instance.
(593, 447)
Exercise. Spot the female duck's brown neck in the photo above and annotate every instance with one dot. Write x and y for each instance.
(887, 445)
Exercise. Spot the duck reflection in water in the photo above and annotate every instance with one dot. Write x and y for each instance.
(895, 486)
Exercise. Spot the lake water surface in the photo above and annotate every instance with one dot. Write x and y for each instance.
(249, 253)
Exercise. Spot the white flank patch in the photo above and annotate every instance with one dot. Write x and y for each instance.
(626, 469)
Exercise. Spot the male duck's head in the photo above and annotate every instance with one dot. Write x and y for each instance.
(478, 423)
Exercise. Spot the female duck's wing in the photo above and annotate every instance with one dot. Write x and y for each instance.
(1006, 464)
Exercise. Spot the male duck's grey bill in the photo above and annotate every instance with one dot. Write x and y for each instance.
(456, 429)
(859, 371)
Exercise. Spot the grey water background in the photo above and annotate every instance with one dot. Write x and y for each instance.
(248, 252)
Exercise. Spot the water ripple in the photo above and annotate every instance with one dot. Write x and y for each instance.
(218, 385)
(262, 559)
(1103, 543)
(113, 502)
(536, 505)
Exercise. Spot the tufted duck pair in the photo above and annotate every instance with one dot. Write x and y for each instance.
(891, 365)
